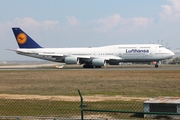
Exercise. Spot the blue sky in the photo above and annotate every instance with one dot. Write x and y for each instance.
(84, 23)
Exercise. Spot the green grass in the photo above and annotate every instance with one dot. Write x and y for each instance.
(103, 82)
(46, 108)
(66, 109)
(150, 83)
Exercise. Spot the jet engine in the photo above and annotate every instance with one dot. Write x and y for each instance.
(98, 62)
(71, 60)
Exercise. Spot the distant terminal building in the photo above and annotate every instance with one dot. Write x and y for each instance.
(176, 57)
(3, 62)
(177, 53)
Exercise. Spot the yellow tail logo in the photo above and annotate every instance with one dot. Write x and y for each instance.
(21, 38)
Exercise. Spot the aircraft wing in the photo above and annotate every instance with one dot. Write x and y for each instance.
(80, 56)
(110, 58)
(62, 55)
(56, 55)
(51, 54)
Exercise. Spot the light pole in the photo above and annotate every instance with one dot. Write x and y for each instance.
(162, 42)
(166, 45)
(157, 41)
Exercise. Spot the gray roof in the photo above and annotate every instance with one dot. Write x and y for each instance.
(172, 100)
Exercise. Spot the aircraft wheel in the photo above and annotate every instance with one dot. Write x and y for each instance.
(85, 66)
(91, 66)
(97, 66)
(156, 66)
(88, 66)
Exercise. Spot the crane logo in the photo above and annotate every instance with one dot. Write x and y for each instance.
(21, 38)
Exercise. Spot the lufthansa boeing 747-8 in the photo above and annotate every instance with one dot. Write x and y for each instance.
(91, 57)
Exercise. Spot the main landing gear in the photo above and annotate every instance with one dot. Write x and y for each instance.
(90, 66)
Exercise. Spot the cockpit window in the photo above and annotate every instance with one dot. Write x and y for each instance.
(160, 46)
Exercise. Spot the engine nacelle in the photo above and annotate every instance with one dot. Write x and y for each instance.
(98, 62)
(71, 60)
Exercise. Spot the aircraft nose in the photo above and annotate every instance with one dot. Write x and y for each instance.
(171, 53)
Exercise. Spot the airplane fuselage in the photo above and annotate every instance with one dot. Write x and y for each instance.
(91, 57)
(112, 54)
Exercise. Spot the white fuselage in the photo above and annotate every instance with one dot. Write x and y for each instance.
(114, 53)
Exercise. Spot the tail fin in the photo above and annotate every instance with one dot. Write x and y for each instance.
(23, 40)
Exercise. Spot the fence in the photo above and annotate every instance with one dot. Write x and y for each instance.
(38, 109)
(30, 109)
(123, 110)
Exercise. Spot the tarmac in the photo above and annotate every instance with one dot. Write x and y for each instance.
(57, 66)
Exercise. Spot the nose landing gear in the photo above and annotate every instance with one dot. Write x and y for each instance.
(156, 66)
(155, 63)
